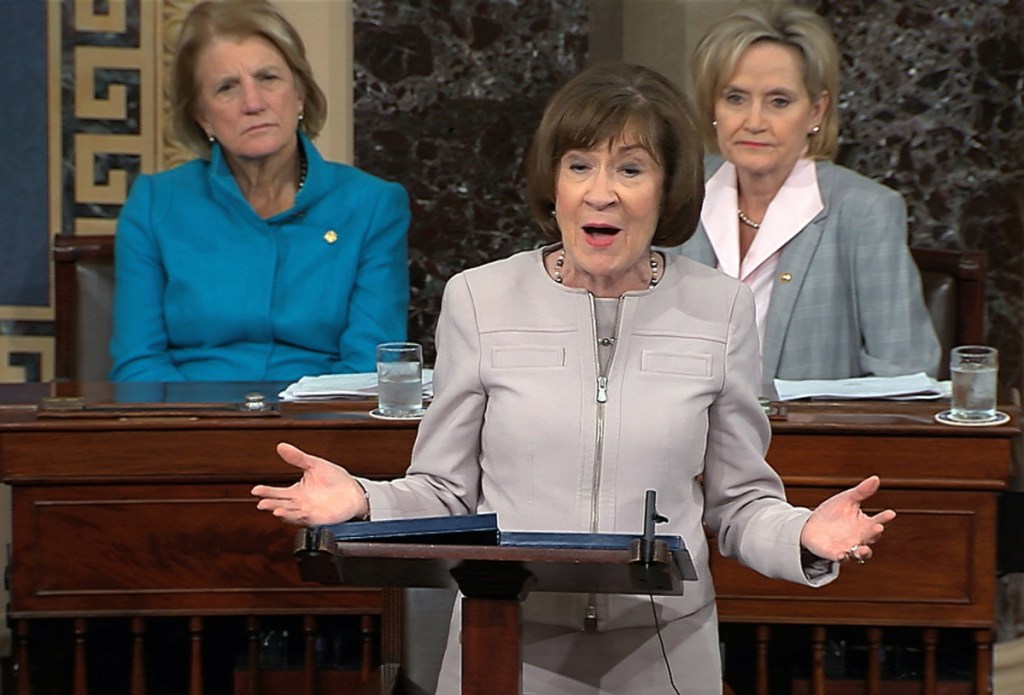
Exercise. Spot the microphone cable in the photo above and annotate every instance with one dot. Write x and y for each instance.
(657, 629)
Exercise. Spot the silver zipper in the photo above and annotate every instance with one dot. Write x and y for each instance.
(590, 620)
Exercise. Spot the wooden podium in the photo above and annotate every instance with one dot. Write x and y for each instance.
(494, 580)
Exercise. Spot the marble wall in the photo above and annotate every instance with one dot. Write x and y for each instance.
(447, 95)
(446, 98)
(931, 104)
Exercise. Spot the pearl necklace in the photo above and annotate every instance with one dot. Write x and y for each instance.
(655, 268)
(747, 221)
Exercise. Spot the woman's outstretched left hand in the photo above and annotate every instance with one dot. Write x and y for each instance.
(840, 530)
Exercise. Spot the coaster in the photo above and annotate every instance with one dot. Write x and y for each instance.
(946, 418)
(375, 413)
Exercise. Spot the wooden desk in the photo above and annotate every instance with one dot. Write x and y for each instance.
(151, 515)
(112, 516)
(935, 566)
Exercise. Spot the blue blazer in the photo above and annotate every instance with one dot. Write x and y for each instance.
(207, 290)
(852, 305)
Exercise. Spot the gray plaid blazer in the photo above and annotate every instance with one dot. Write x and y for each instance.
(853, 304)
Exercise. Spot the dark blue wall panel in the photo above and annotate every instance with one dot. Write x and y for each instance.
(24, 215)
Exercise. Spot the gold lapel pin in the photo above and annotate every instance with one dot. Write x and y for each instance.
(330, 236)
(785, 277)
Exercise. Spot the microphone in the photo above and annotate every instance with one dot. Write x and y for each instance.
(651, 517)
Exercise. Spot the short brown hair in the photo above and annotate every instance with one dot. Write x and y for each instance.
(717, 54)
(240, 19)
(600, 104)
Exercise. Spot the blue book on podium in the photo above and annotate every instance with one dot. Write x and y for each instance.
(482, 529)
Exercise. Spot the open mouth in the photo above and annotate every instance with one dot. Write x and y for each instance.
(600, 230)
(599, 235)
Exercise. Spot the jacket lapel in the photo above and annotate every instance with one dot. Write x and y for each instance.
(794, 261)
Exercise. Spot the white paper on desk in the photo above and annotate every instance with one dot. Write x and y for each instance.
(918, 386)
(339, 386)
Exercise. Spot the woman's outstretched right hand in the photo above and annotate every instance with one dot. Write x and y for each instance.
(326, 493)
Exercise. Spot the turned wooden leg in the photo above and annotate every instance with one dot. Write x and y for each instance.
(763, 636)
(23, 682)
(138, 684)
(818, 660)
(874, 675)
(929, 678)
(79, 677)
(983, 662)
(195, 631)
(309, 652)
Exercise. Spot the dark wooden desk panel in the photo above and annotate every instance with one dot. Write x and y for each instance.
(935, 566)
(207, 451)
(936, 563)
(903, 461)
(143, 499)
(159, 550)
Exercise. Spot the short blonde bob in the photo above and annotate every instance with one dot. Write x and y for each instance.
(239, 19)
(717, 54)
(599, 105)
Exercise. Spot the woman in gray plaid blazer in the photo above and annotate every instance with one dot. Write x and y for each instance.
(824, 249)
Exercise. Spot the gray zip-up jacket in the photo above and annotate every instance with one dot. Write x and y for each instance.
(524, 425)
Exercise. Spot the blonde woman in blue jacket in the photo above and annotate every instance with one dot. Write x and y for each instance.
(823, 248)
(259, 261)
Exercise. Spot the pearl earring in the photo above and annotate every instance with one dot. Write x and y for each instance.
(714, 124)
(815, 130)
(301, 116)
(211, 139)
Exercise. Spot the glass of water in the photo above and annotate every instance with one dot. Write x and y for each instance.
(400, 379)
(974, 369)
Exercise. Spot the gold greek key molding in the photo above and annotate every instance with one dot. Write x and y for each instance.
(38, 345)
(110, 110)
(89, 147)
(114, 21)
(88, 61)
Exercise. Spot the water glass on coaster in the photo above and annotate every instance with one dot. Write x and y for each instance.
(400, 380)
(974, 369)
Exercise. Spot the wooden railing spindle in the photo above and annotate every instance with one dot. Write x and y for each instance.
(929, 679)
(23, 682)
(763, 638)
(309, 649)
(366, 655)
(983, 662)
(195, 631)
(138, 686)
(79, 678)
(252, 673)
(818, 660)
(874, 684)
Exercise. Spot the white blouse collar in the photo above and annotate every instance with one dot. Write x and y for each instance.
(794, 206)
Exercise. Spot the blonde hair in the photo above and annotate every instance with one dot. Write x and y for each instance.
(239, 19)
(601, 104)
(717, 54)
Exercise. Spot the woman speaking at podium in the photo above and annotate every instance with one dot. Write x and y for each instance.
(571, 378)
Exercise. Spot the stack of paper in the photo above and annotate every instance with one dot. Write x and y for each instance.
(918, 386)
(345, 386)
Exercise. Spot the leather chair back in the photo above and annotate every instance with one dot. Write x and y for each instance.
(953, 284)
(84, 292)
